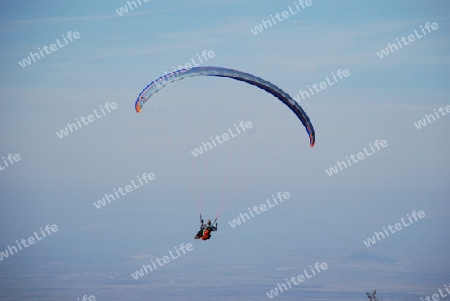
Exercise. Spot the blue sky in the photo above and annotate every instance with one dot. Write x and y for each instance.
(327, 218)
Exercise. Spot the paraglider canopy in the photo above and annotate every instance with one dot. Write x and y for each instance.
(163, 81)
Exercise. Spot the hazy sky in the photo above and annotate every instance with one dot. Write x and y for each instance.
(327, 217)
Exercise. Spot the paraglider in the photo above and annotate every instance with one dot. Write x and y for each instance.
(160, 83)
(205, 229)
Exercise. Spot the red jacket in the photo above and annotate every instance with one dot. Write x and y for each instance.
(206, 234)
